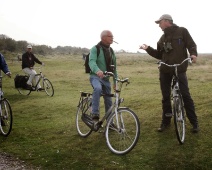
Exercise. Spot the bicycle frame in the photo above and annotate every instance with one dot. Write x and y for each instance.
(114, 106)
(177, 103)
(41, 76)
(175, 79)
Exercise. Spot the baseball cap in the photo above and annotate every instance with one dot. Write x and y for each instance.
(29, 46)
(164, 16)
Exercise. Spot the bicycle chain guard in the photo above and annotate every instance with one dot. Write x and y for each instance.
(90, 123)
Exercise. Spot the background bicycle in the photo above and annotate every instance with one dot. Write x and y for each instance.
(6, 118)
(122, 128)
(21, 86)
(177, 103)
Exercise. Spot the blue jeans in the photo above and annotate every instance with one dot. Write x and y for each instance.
(100, 86)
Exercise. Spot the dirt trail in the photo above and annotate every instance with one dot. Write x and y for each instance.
(10, 163)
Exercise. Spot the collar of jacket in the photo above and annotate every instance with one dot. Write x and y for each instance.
(170, 30)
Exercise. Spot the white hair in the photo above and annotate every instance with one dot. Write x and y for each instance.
(105, 32)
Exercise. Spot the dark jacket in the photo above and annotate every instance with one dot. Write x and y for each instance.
(3, 64)
(180, 41)
(28, 60)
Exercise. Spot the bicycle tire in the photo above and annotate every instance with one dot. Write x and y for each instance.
(24, 91)
(6, 117)
(123, 140)
(179, 118)
(48, 87)
(83, 108)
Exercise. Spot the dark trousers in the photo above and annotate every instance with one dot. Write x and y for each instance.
(165, 84)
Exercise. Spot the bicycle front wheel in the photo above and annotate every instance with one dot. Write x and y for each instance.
(47, 85)
(24, 91)
(6, 117)
(121, 138)
(179, 119)
(83, 110)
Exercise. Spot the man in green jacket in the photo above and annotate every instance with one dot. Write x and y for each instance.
(172, 49)
(99, 63)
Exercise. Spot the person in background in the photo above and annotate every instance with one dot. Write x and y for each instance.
(98, 65)
(172, 49)
(4, 66)
(28, 62)
(5, 69)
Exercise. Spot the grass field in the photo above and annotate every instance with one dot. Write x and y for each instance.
(45, 136)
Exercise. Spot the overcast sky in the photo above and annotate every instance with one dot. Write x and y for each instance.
(79, 22)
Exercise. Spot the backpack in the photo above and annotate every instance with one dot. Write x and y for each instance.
(86, 58)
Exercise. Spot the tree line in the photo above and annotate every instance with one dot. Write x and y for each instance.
(8, 44)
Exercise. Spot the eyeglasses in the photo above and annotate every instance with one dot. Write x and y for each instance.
(110, 36)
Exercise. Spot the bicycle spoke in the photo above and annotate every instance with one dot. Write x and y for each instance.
(179, 119)
(5, 118)
(47, 85)
(125, 137)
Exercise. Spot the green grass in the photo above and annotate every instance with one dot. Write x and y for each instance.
(44, 132)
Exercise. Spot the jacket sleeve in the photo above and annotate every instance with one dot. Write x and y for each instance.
(156, 53)
(189, 43)
(3, 65)
(37, 60)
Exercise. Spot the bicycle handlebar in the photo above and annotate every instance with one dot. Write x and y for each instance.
(126, 80)
(175, 65)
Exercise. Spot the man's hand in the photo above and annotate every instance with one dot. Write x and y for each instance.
(100, 74)
(194, 58)
(9, 74)
(143, 47)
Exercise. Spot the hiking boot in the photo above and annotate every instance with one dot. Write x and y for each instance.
(163, 126)
(195, 129)
(95, 117)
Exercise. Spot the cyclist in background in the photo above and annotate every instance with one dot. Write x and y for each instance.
(172, 49)
(28, 62)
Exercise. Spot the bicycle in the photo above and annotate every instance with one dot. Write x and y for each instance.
(122, 128)
(177, 103)
(6, 117)
(46, 85)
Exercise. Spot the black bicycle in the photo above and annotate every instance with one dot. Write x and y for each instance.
(6, 118)
(177, 103)
(46, 85)
(122, 128)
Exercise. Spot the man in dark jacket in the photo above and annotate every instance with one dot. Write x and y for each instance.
(172, 49)
(28, 62)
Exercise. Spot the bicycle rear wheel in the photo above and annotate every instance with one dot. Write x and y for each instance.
(24, 91)
(6, 118)
(83, 110)
(179, 119)
(123, 139)
(47, 85)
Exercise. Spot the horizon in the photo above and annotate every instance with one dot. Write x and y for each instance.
(79, 23)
